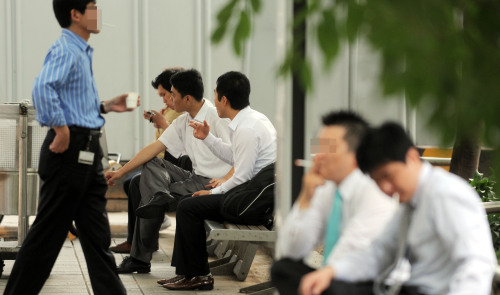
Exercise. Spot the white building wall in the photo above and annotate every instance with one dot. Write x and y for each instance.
(142, 37)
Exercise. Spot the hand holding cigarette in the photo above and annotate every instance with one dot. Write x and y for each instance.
(200, 130)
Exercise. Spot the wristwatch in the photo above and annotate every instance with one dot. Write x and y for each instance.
(102, 109)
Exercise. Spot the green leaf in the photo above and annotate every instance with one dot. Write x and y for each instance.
(225, 13)
(218, 34)
(242, 32)
(355, 15)
(256, 5)
(328, 37)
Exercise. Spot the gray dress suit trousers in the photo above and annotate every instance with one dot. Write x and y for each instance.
(159, 175)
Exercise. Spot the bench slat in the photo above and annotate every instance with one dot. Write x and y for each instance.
(232, 232)
(492, 207)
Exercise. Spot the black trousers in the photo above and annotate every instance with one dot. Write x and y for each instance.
(70, 191)
(190, 255)
(287, 273)
(131, 188)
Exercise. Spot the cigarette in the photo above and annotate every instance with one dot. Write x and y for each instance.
(303, 163)
(108, 25)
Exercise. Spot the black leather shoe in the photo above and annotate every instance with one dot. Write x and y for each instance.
(159, 203)
(130, 265)
(175, 279)
(195, 283)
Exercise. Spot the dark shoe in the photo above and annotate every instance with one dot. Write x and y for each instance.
(172, 280)
(159, 203)
(199, 282)
(130, 265)
(122, 248)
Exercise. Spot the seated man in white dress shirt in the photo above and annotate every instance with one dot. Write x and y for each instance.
(440, 228)
(363, 212)
(162, 183)
(252, 148)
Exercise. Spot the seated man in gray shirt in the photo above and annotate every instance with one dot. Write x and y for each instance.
(440, 229)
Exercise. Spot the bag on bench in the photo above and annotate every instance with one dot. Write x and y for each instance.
(251, 202)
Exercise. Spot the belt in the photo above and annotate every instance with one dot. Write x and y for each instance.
(86, 131)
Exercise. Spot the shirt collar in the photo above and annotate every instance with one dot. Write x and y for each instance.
(349, 184)
(202, 113)
(77, 40)
(423, 176)
(239, 117)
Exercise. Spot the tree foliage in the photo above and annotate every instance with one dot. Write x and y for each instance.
(442, 54)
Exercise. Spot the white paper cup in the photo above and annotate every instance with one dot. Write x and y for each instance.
(132, 99)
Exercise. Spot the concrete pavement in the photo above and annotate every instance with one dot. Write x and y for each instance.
(69, 275)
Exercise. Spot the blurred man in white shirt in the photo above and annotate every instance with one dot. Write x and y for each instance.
(363, 209)
(440, 228)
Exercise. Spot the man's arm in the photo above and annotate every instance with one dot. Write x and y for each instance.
(118, 104)
(461, 225)
(46, 99)
(146, 154)
(221, 149)
(304, 226)
(61, 140)
(215, 182)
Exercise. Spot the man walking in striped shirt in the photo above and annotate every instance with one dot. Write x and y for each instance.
(66, 100)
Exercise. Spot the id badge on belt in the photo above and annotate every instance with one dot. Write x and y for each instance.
(86, 157)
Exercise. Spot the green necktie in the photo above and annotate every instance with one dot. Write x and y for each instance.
(333, 226)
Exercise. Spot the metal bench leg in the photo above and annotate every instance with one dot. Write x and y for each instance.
(221, 249)
(211, 245)
(265, 288)
(224, 266)
(245, 262)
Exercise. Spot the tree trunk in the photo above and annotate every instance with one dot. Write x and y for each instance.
(465, 157)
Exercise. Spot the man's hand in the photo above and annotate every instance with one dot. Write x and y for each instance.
(215, 182)
(316, 282)
(310, 181)
(200, 130)
(61, 141)
(159, 120)
(119, 104)
(201, 193)
(112, 176)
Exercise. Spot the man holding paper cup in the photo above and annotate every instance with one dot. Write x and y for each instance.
(66, 100)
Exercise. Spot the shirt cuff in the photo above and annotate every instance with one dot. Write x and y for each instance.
(217, 190)
(341, 268)
(210, 139)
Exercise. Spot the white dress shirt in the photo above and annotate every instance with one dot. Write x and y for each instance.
(253, 147)
(178, 137)
(365, 213)
(449, 239)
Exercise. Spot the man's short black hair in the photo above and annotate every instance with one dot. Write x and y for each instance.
(163, 79)
(62, 10)
(353, 123)
(188, 82)
(387, 143)
(236, 88)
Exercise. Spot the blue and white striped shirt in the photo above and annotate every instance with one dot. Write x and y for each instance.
(65, 92)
